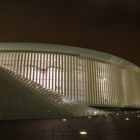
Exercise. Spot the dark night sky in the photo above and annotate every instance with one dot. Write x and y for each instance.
(108, 25)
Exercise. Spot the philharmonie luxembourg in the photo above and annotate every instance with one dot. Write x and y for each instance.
(50, 81)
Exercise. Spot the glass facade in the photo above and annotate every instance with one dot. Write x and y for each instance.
(94, 80)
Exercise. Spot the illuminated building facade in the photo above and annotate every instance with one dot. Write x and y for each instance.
(85, 76)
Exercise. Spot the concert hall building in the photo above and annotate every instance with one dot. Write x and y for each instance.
(46, 80)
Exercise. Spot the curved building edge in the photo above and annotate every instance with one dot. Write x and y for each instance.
(68, 49)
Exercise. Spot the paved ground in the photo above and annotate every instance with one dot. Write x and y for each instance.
(119, 126)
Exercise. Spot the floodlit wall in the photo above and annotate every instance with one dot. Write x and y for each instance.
(80, 77)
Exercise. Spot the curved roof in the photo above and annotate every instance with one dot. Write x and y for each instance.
(68, 49)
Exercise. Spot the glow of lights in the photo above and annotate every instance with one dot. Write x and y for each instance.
(64, 120)
(83, 132)
(95, 112)
(138, 116)
(89, 117)
(127, 119)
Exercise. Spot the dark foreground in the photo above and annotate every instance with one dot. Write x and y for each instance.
(118, 126)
